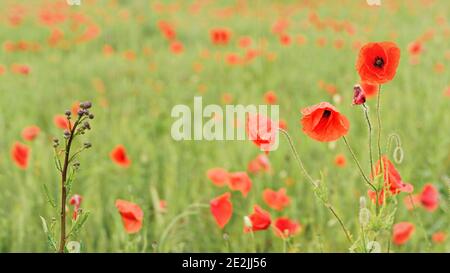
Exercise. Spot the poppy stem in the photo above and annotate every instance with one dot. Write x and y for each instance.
(358, 164)
(297, 158)
(419, 219)
(315, 184)
(369, 124)
(62, 242)
(379, 124)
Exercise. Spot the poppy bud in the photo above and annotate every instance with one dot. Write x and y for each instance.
(364, 217)
(86, 125)
(81, 112)
(358, 95)
(85, 105)
(362, 202)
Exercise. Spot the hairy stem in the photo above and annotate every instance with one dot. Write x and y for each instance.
(315, 184)
(62, 242)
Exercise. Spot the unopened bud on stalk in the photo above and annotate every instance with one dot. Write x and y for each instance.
(66, 134)
(358, 95)
(364, 217)
(248, 222)
(362, 202)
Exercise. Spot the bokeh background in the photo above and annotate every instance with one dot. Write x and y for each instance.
(117, 55)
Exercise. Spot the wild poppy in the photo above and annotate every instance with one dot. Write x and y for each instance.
(282, 124)
(277, 200)
(221, 209)
(392, 179)
(429, 197)
(260, 163)
(20, 154)
(285, 227)
(340, 160)
(61, 122)
(270, 97)
(75, 201)
(119, 156)
(402, 232)
(415, 48)
(358, 95)
(176, 47)
(239, 181)
(439, 237)
(233, 59)
(31, 132)
(262, 131)
(377, 62)
(285, 39)
(324, 123)
(259, 219)
(21, 69)
(132, 215)
(220, 36)
(218, 176)
(245, 42)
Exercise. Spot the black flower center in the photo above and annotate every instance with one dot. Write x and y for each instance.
(326, 114)
(379, 62)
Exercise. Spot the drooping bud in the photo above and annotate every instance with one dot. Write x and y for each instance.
(358, 95)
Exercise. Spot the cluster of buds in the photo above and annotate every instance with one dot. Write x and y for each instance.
(84, 113)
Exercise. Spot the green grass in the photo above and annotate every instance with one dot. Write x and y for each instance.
(134, 110)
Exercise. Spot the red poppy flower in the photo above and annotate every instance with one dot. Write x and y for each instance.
(402, 232)
(61, 122)
(415, 48)
(392, 180)
(239, 181)
(324, 123)
(119, 156)
(262, 131)
(21, 69)
(284, 227)
(377, 62)
(222, 209)
(285, 39)
(20, 154)
(282, 124)
(439, 237)
(260, 163)
(270, 97)
(75, 201)
(277, 200)
(260, 220)
(340, 160)
(429, 197)
(233, 59)
(245, 42)
(370, 90)
(218, 176)
(176, 47)
(31, 132)
(220, 36)
(132, 215)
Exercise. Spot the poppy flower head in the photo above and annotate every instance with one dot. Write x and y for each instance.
(132, 215)
(239, 181)
(221, 209)
(429, 197)
(439, 237)
(276, 200)
(75, 201)
(20, 154)
(285, 227)
(340, 160)
(220, 36)
(61, 122)
(176, 47)
(260, 220)
(270, 97)
(415, 48)
(324, 123)
(377, 62)
(262, 131)
(218, 176)
(119, 156)
(31, 132)
(392, 179)
(402, 232)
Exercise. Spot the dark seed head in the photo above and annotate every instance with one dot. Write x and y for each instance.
(326, 114)
(81, 112)
(91, 116)
(379, 62)
(68, 113)
(87, 145)
(85, 105)
(66, 134)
